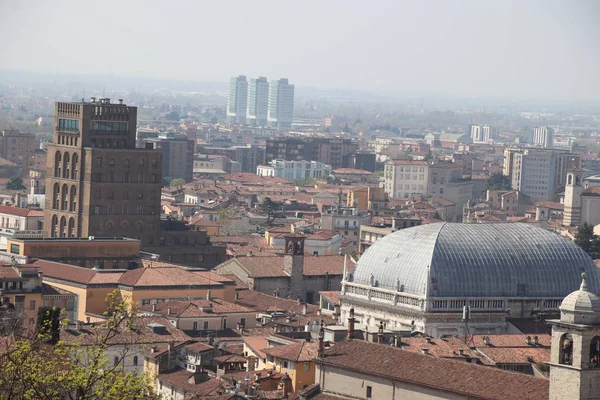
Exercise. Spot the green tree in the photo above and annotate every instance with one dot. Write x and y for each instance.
(587, 240)
(15, 184)
(177, 182)
(33, 368)
(271, 207)
(498, 181)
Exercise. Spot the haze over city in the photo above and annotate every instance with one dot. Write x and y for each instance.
(532, 50)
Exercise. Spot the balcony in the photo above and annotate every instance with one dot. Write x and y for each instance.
(73, 131)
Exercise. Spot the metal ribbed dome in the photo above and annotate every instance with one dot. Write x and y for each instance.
(477, 260)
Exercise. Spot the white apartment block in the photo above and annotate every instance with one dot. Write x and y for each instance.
(543, 136)
(294, 170)
(237, 102)
(406, 178)
(281, 104)
(482, 133)
(258, 101)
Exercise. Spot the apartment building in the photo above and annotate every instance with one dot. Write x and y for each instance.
(18, 147)
(406, 178)
(337, 152)
(178, 155)
(346, 220)
(294, 170)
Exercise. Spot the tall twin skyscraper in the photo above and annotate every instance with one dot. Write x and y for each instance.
(260, 103)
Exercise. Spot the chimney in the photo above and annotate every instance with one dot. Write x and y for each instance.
(396, 341)
(304, 309)
(208, 295)
(428, 339)
(77, 325)
(351, 321)
(536, 340)
(169, 310)
(425, 351)
(321, 338)
(486, 340)
(528, 340)
(120, 101)
(237, 295)
(154, 307)
(461, 352)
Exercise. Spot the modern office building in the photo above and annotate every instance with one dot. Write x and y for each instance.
(336, 152)
(178, 155)
(281, 104)
(258, 101)
(543, 136)
(237, 102)
(539, 172)
(97, 182)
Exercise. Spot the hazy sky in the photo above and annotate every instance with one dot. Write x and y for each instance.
(527, 49)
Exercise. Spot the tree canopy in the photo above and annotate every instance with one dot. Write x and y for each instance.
(38, 366)
(588, 241)
(498, 181)
(271, 207)
(15, 184)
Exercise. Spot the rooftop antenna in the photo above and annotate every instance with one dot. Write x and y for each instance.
(83, 95)
(103, 91)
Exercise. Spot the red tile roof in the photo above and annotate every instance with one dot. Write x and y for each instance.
(513, 349)
(332, 297)
(445, 375)
(21, 212)
(181, 380)
(298, 352)
(170, 276)
(256, 343)
(272, 266)
(197, 308)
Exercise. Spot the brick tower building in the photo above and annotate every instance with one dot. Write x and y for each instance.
(98, 183)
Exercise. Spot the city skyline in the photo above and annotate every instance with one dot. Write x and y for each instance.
(365, 49)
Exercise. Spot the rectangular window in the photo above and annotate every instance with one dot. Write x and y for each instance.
(99, 161)
(32, 304)
(369, 392)
(205, 325)
(15, 248)
(109, 128)
(68, 125)
(195, 326)
(145, 302)
(306, 367)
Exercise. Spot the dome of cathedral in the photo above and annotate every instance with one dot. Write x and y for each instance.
(477, 260)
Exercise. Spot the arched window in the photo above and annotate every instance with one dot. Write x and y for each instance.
(135, 360)
(140, 196)
(74, 166)
(116, 361)
(142, 162)
(109, 227)
(57, 158)
(566, 349)
(110, 194)
(595, 352)
(66, 160)
(111, 162)
(127, 163)
(56, 197)
(54, 231)
(569, 179)
(64, 197)
(124, 225)
(125, 195)
(71, 227)
(577, 180)
(63, 226)
(73, 199)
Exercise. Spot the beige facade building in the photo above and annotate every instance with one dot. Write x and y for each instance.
(405, 178)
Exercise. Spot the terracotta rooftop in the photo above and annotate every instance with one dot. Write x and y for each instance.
(181, 380)
(513, 349)
(442, 348)
(332, 297)
(272, 266)
(170, 276)
(298, 352)
(592, 191)
(198, 347)
(256, 343)
(458, 377)
(21, 212)
(196, 308)
(137, 332)
(231, 358)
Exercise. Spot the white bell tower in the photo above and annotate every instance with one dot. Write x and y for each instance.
(573, 190)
